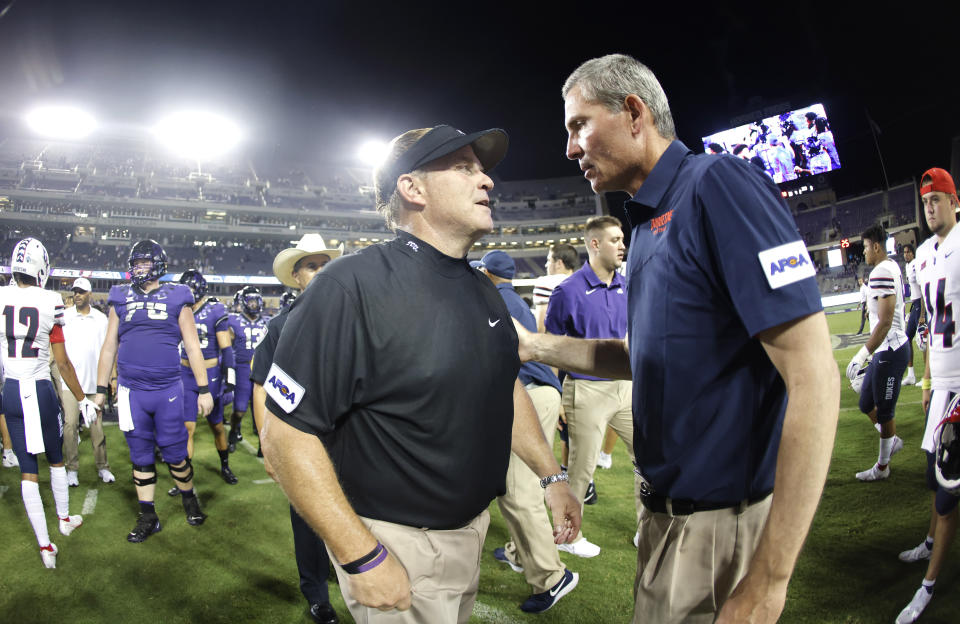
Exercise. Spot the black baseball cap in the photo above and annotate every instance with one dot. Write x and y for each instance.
(490, 146)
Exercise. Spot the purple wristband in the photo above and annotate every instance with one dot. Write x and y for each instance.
(368, 562)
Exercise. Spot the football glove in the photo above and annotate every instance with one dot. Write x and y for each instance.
(923, 335)
(230, 380)
(88, 409)
(857, 382)
(853, 368)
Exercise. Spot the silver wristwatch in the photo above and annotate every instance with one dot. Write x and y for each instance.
(560, 476)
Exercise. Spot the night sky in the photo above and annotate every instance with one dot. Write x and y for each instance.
(310, 80)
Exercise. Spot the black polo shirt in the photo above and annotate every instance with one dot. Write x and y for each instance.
(403, 361)
(263, 354)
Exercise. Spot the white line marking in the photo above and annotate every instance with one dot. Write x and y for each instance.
(263, 481)
(89, 503)
(486, 613)
(249, 448)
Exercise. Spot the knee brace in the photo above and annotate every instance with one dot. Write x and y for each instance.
(183, 474)
(141, 481)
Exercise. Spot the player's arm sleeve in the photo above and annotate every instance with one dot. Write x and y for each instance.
(882, 282)
(321, 358)
(759, 254)
(58, 310)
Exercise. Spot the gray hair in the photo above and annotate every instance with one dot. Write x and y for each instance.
(388, 200)
(609, 79)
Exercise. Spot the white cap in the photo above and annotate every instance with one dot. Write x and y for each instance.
(81, 283)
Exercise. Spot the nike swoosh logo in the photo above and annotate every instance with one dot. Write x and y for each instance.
(27, 396)
(172, 399)
(556, 590)
(591, 291)
(493, 323)
(947, 255)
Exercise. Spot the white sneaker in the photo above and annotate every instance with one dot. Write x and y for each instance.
(920, 383)
(913, 610)
(106, 476)
(49, 557)
(604, 461)
(897, 445)
(72, 479)
(916, 554)
(67, 526)
(10, 459)
(874, 474)
(580, 548)
(910, 379)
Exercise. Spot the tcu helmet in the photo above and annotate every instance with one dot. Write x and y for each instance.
(250, 300)
(947, 453)
(148, 250)
(287, 299)
(30, 258)
(197, 283)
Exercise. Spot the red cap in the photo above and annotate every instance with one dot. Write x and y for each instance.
(940, 180)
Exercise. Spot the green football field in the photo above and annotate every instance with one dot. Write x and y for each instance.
(239, 566)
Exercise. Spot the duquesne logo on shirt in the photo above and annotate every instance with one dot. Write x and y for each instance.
(282, 388)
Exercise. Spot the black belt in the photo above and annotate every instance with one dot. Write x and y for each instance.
(680, 507)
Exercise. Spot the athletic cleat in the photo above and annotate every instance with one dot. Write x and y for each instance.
(69, 524)
(910, 380)
(106, 476)
(233, 438)
(897, 446)
(604, 461)
(10, 459)
(538, 603)
(146, 526)
(228, 475)
(916, 554)
(191, 506)
(323, 613)
(874, 474)
(500, 554)
(913, 610)
(591, 498)
(48, 554)
(920, 383)
(174, 491)
(72, 479)
(580, 548)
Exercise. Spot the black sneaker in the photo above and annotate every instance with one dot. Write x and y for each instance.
(591, 497)
(147, 525)
(191, 505)
(174, 491)
(233, 438)
(228, 475)
(538, 603)
(323, 613)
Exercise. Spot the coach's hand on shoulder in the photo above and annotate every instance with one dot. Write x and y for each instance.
(565, 509)
(754, 601)
(205, 404)
(384, 587)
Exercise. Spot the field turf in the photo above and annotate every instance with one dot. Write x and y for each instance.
(239, 566)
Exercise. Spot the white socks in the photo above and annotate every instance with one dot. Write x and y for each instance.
(34, 506)
(61, 492)
(886, 445)
(877, 427)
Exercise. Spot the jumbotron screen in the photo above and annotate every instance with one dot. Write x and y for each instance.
(788, 146)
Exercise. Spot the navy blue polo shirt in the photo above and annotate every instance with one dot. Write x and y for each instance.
(584, 306)
(534, 372)
(715, 258)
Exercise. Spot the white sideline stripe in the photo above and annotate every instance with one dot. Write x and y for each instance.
(857, 409)
(3, 490)
(249, 448)
(486, 613)
(89, 503)
(263, 481)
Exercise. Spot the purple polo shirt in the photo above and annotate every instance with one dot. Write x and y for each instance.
(583, 306)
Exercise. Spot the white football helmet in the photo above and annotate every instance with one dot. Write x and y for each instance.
(947, 453)
(30, 257)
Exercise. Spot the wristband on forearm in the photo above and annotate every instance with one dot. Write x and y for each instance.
(203, 389)
(101, 389)
(925, 384)
(367, 562)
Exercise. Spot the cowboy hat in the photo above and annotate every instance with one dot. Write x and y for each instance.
(309, 245)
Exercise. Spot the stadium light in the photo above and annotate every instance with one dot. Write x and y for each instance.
(197, 135)
(60, 122)
(372, 152)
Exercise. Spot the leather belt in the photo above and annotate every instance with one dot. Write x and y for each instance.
(681, 507)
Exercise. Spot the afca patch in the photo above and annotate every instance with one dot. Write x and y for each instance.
(284, 391)
(786, 264)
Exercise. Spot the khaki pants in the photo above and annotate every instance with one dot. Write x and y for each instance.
(687, 566)
(590, 406)
(71, 418)
(443, 567)
(523, 509)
